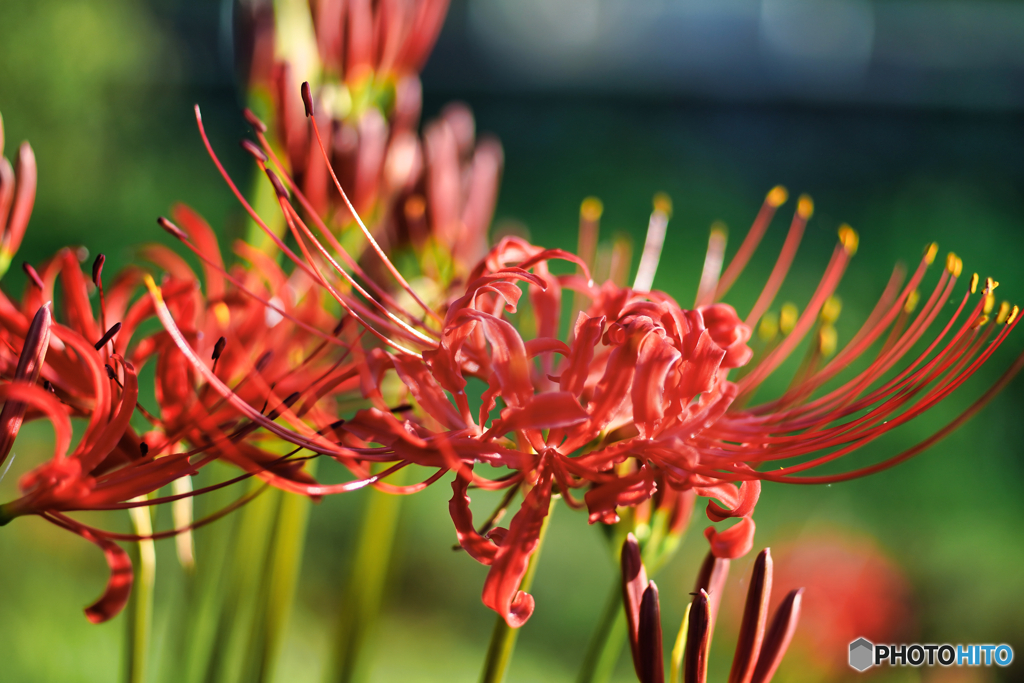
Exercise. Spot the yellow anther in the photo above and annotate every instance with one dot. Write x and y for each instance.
(974, 283)
(827, 340)
(592, 208)
(663, 203)
(1013, 315)
(990, 285)
(805, 207)
(787, 318)
(777, 196)
(930, 252)
(954, 264)
(768, 327)
(911, 302)
(850, 239)
(951, 260)
(830, 311)
(1004, 312)
(980, 322)
(719, 229)
(222, 313)
(990, 303)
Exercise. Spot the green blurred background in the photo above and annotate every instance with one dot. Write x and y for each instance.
(103, 89)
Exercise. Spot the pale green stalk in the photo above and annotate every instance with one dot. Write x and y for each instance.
(503, 637)
(361, 599)
(606, 643)
(140, 623)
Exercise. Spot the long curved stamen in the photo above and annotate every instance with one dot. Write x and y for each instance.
(772, 201)
(331, 239)
(804, 211)
(655, 240)
(308, 101)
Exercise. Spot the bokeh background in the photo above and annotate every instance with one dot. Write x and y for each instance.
(901, 117)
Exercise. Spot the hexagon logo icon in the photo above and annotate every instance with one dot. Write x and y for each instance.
(862, 654)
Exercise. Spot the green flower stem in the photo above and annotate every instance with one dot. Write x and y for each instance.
(606, 643)
(282, 565)
(361, 599)
(503, 637)
(140, 622)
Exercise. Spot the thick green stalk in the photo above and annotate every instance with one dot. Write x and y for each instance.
(362, 596)
(606, 643)
(283, 564)
(140, 622)
(503, 637)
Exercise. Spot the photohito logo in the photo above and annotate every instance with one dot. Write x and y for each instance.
(864, 654)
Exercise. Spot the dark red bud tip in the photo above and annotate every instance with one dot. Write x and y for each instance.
(307, 98)
(33, 276)
(97, 269)
(279, 187)
(172, 228)
(218, 348)
(254, 121)
(253, 149)
(114, 329)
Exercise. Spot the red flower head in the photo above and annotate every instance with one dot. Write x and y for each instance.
(643, 396)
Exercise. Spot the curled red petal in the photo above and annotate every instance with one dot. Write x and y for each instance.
(736, 541)
(501, 589)
(479, 548)
(741, 506)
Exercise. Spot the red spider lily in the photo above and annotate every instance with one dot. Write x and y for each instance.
(17, 196)
(368, 97)
(263, 333)
(760, 647)
(642, 399)
(356, 38)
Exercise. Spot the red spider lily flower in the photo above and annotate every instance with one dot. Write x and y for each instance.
(760, 647)
(17, 196)
(367, 96)
(263, 333)
(643, 399)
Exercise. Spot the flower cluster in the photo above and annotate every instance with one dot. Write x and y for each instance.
(336, 353)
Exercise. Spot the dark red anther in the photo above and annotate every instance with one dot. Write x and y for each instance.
(254, 121)
(262, 361)
(110, 372)
(144, 448)
(33, 275)
(278, 185)
(172, 228)
(254, 149)
(218, 348)
(97, 269)
(307, 98)
(108, 335)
